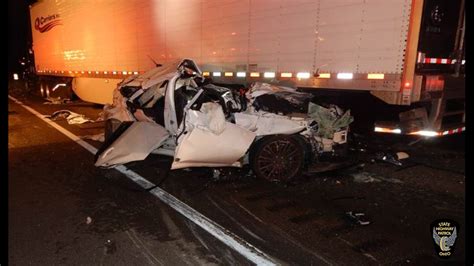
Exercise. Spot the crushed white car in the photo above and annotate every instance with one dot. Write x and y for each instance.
(173, 110)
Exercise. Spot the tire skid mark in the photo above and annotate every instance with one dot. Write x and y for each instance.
(234, 220)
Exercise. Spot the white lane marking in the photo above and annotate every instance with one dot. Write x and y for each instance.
(225, 236)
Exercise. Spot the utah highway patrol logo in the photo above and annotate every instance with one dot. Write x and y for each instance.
(444, 232)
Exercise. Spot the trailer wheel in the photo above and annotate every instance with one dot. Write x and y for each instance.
(278, 158)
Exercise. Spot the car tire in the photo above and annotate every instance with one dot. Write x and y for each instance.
(278, 158)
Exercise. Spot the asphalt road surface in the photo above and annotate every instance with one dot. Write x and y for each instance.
(63, 210)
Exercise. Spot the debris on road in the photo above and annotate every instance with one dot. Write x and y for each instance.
(402, 155)
(58, 100)
(71, 117)
(216, 174)
(97, 137)
(110, 247)
(364, 177)
(390, 157)
(357, 218)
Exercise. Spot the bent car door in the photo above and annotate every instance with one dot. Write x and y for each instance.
(134, 143)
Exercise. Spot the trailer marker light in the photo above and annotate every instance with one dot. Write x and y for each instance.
(216, 74)
(135, 73)
(269, 74)
(375, 76)
(345, 75)
(324, 75)
(105, 72)
(254, 74)
(205, 74)
(70, 72)
(241, 74)
(303, 75)
(407, 84)
(286, 75)
(15, 76)
(228, 74)
(124, 72)
(97, 72)
(89, 72)
(114, 73)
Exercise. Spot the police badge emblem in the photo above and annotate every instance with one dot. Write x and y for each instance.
(444, 233)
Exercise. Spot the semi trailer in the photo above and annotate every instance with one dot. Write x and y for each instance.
(405, 53)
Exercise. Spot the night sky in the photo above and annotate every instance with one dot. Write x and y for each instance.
(18, 32)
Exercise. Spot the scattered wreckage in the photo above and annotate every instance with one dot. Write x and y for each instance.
(177, 112)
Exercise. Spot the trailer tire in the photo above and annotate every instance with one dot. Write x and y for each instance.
(278, 158)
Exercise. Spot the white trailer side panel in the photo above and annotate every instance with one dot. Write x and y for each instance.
(355, 36)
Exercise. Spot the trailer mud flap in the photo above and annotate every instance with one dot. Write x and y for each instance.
(134, 143)
(202, 148)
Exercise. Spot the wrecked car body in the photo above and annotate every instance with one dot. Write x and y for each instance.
(177, 112)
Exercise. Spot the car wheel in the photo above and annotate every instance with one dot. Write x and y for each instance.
(278, 158)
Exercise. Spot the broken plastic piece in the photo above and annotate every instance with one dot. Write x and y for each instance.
(58, 100)
(97, 137)
(71, 117)
(388, 157)
(402, 155)
(357, 218)
(216, 174)
(110, 247)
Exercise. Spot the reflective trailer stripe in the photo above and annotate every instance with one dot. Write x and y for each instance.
(439, 61)
(388, 130)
